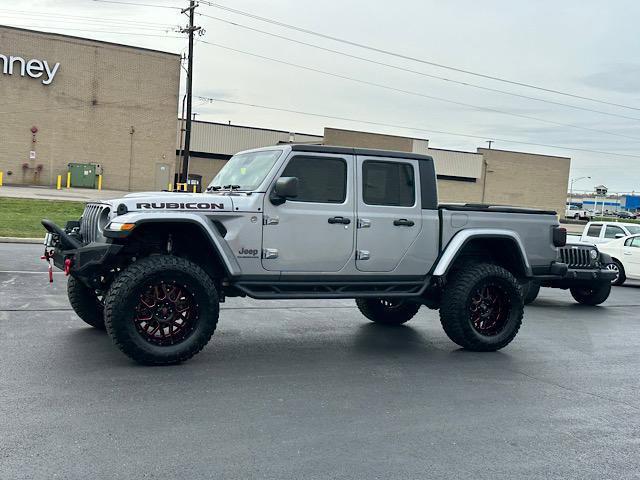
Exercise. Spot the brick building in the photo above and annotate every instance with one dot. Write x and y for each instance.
(71, 100)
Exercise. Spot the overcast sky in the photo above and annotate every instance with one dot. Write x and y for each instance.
(586, 48)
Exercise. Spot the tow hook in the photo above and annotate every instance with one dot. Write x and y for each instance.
(48, 256)
(67, 266)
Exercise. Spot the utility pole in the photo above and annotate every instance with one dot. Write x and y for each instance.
(489, 142)
(187, 134)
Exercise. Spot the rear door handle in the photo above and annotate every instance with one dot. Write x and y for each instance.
(342, 220)
(403, 222)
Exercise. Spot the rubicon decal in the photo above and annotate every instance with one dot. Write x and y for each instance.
(181, 206)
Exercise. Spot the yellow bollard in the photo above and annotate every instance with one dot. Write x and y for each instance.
(59, 182)
(170, 187)
(0, 179)
(68, 179)
(194, 189)
(99, 182)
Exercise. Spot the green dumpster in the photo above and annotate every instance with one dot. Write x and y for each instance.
(83, 175)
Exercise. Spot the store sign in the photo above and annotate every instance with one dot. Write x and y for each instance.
(33, 68)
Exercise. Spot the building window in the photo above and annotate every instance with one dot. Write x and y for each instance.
(320, 179)
(388, 183)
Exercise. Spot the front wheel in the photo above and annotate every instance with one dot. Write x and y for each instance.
(592, 294)
(387, 311)
(482, 307)
(161, 310)
(85, 303)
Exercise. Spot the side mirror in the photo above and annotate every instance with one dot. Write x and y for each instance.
(620, 235)
(286, 187)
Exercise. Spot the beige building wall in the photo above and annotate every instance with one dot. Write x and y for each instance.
(206, 167)
(352, 138)
(108, 104)
(526, 179)
(512, 178)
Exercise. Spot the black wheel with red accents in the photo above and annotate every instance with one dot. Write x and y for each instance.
(86, 303)
(482, 307)
(387, 311)
(162, 310)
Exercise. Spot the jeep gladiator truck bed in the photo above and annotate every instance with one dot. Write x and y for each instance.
(303, 221)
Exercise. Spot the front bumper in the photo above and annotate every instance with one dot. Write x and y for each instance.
(576, 276)
(85, 262)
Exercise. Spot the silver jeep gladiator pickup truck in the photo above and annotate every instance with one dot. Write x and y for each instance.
(302, 221)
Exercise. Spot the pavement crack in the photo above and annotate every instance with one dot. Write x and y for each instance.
(573, 390)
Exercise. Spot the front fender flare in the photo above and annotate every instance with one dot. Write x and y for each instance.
(210, 232)
(458, 242)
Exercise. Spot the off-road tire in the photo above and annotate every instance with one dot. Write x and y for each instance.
(593, 294)
(85, 303)
(125, 297)
(387, 311)
(622, 276)
(456, 313)
(530, 292)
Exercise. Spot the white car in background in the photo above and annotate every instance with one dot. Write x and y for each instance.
(625, 254)
(603, 232)
(578, 213)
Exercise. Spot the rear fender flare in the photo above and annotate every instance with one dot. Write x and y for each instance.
(458, 242)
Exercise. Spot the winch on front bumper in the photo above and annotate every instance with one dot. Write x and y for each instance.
(67, 251)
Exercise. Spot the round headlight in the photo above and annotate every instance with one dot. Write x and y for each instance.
(594, 254)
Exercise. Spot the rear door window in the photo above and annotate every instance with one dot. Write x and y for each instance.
(612, 231)
(594, 230)
(388, 183)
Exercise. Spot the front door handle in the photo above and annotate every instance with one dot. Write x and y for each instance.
(342, 220)
(403, 222)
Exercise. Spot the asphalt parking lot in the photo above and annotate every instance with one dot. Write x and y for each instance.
(310, 389)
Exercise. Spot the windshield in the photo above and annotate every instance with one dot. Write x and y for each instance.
(633, 229)
(245, 171)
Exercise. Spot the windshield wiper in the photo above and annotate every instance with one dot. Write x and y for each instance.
(231, 187)
(213, 188)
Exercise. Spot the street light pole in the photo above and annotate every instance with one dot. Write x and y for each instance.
(571, 182)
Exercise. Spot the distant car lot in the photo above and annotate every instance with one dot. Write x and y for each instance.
(300, 389)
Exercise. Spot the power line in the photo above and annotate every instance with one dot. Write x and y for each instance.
(408, 57)
(138, 4)
(72, 26)
(416, 72)
(419, 129)
(78, 17)
(102, 31)
(418, 94)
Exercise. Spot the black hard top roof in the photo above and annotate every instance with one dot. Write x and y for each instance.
(358, 151)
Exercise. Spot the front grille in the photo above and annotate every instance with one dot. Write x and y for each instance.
(576, 257)
(94, 219)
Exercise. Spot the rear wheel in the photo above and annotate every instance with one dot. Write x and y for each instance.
(482, 307)
(85, 303)
(593, 294)
(387, 311)
(161, 310)
(617, 267)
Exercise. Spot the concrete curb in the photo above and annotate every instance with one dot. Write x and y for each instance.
(21, 240)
